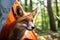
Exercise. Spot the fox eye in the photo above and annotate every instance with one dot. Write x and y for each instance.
(25, 20)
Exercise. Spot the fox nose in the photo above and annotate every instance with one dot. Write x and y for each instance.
(32, 27)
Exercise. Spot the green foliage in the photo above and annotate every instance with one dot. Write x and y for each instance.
(44, 24)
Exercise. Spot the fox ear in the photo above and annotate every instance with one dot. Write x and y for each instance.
(34, 12)
(19, 11)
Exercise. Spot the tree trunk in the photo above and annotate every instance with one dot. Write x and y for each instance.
(51, 17)
(30, 5)
(25, 5)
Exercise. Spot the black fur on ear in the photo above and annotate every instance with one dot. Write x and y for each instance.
(19, 11)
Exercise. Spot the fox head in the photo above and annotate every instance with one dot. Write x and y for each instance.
(25, 19)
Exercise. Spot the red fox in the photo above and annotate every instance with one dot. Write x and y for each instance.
(19, 24)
